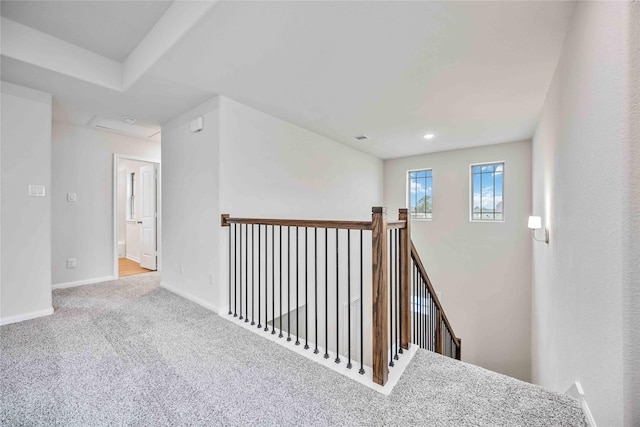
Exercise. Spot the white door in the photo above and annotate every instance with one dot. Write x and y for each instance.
(148, 215)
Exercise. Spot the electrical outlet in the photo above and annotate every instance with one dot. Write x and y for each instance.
(71, 263)
(72, 197)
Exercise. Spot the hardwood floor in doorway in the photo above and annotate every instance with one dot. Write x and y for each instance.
(126, 267)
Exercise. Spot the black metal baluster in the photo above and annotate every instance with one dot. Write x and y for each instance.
(280, 250)
(235, 270)
(246, 273)
(337, 301)
(326, 293)
(297, 281)
(391, 277)
(426, 332)
(413, 305)
(266, 278)
(288, 283)
(306, 288)
(434, 326)
(240, 273)
(422, 313)
(361, 308)
(259, 277)
(417, 307)
(436, 320)
(429, 325)
(273, 279)
(401, 276)
(397, 289)
(315, 271)
(230, 312)
(349, 298)
(253, 274)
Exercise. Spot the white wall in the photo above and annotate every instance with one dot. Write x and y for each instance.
(481, 269)
(272, 169)
(26, 221)
(247, 163)
(581, 189)
(631, 216)
(83, 164)
(190, 200)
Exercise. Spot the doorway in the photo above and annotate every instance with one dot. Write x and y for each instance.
(136, 215)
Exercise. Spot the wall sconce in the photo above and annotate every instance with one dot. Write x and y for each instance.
(535, 223)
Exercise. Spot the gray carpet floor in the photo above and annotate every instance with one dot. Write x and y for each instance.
(128, 352)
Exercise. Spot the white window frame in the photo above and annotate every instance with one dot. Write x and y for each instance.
(504, 184)
(408, 193)
(131, 196)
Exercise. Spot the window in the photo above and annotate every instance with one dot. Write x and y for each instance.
(486, 192)
(420, 194)
(131, 196)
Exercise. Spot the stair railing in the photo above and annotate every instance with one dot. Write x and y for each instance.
(306, 279)
(431, 327)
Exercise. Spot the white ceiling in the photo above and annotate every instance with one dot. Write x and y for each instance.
(109, 28)
(473, 73)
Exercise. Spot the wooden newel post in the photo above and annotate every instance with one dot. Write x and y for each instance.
(405, 279)
(380, 297)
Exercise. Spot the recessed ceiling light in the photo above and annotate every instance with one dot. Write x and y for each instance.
(129, 120)
(361, 137)
(429, 136)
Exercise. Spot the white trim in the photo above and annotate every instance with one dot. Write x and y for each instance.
(190, 297)
(132, 258)
(470, 197)
(577, 392)
(176, 21)
(26, 316)
(365, 379)
(83, 282)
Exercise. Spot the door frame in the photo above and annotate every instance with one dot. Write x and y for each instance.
(116, 159)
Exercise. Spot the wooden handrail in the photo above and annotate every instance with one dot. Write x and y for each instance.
(311, 223)
(393, 225)
(432, 292)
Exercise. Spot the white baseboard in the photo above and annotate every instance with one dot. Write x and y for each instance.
(190, 297)
(83, 282)
(26, 316)
(577, 392)
(132, 258)
(365, 379)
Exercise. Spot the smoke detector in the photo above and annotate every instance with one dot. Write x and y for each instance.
(128, 120)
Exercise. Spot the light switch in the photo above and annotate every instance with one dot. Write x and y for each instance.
(72, 197)
(36, 190)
